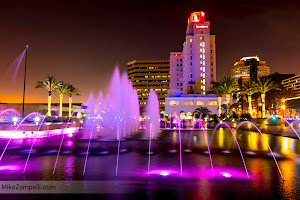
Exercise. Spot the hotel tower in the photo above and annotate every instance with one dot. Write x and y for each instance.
(194, 69)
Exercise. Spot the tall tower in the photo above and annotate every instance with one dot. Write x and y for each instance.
(198, 57)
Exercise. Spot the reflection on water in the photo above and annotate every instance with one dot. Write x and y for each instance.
(265, 142)
(70, 168)
(253, 141)
(285, 145)
(196, 165)
(220, 137)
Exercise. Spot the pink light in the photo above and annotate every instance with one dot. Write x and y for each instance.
(226, 174)
(37, 134)
(70, 143)
(70, 135)
(164, 173)
(201, 26)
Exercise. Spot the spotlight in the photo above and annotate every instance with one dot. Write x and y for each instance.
(15, 120)
(164, 173)
(36, 119)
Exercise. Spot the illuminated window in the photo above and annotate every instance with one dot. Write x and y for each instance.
(200, 37)
(203, 62)
(200, 103)
(200, 55)
(203, 75)
(200, 44)
(203, 56)
(200, 49)
(203, 69)
(212, 103)
(174, 103)
(190, 103)
(203, 44)
(191, 40)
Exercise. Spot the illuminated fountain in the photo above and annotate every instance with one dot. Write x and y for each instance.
(116, 118)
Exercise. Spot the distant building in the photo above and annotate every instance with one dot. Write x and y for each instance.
(249, 68)
(194, 69)
(292, 83)
(150, 74)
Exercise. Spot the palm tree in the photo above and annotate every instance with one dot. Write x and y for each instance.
(201, 110)
(50, 83)
(249, 88)
(228, 86)
(264, 84)
(219, 92)
(62, 89)
(71, 92)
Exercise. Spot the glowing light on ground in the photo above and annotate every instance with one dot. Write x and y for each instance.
(225, 174)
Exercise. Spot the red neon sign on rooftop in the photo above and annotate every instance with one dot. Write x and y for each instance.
(196, 16)
(201, 26)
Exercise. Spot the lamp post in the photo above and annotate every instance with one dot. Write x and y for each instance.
(23, 105)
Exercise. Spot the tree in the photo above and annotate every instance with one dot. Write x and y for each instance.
(63, 88)
(219, 92)
(72, 90)
(51, 84)
(265, 84)
(201, 111)
(249, 88)
(228, 86)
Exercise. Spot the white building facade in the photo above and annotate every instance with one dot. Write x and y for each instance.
(194, 69)
(189, 102)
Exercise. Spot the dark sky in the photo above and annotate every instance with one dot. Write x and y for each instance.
(82, 41)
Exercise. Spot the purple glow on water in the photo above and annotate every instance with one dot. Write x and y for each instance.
(164, 173)
(9, 168)
(226, 174)
(70, 143)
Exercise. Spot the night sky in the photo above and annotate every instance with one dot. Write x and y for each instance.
(82, 41)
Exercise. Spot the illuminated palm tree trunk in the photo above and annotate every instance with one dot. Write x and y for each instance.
(61, 96)
(263, 97)
(49, 104)
(220, 107)
(250, 104)
(70, 106)
(228, 100)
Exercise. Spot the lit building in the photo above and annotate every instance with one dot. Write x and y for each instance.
(292, 83)
(189, 102)
(194, 69)
(249, 68)
(150, 74)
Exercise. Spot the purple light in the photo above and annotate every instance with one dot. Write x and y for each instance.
(8, 167)
(226, 174)
(70, 135)
(37, 134)
(70, 143)
(164, 173)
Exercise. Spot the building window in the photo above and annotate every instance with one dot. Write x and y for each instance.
(174, 103)
(191, 40)
(188, 103)
(200, 103)
(212, 103)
